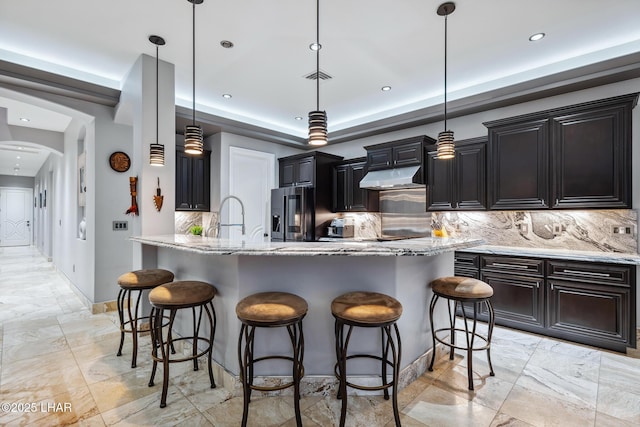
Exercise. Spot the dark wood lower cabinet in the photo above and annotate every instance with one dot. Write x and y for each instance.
(589, 313)
(518, 301)
(586, 302)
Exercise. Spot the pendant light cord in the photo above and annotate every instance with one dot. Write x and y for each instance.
(194, 63)
(157, 90)
(318, 55)
(445, 71)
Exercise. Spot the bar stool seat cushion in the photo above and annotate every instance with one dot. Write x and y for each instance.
(145, 279)
(271, 308)
(461, 288)
(366, 307)
(184, 293)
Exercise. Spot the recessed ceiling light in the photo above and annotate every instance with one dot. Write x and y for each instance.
(18, 157)
(226, 44)
(536, 37)
(24, 119)
(226, 96)
(315, 46)
(298, 118)
(386, 88)
(16, 169)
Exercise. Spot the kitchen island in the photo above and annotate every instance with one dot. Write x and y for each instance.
(318, 272)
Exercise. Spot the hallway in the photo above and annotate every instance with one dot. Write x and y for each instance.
(58, 360)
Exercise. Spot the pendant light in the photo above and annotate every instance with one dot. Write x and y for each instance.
(193, 133)
(445, 145)
(156, 151)
(317, 118)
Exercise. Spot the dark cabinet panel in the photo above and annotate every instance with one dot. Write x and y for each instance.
(401, 153)
(193, 181)
(586, 302)
(518, 165)
(407, 154)
(518, 301)
(592, 303)
(297, 171)
(340, 188)
(440, 183)
(347, 194)
(379, 158)
(458, 183)
(591, 159)
(288, 173)
(572, 157)
(589, 313)
(306, 172)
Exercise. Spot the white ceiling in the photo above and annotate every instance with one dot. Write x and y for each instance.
(367, 44)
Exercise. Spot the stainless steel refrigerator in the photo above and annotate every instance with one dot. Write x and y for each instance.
(292, 214)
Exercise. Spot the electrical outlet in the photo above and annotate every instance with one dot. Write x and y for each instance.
(557, 229)
(523, 227)
(622, 229)
(120, 225)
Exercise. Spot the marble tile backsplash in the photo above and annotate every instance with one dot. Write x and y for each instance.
(185, 220)
(586, 230)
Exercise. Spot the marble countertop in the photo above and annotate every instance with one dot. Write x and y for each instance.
(593, 256)
(424, 246)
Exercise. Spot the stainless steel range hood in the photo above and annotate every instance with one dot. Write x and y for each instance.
(386, 179)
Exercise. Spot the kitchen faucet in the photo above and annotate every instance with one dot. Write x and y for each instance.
(230, 225)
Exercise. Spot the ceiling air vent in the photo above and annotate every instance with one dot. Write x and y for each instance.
(318, 74)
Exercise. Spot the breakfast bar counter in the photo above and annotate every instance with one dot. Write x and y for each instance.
(318, 272)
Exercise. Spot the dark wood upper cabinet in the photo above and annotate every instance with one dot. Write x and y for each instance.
(458, 183)
(307, 169)
(404, 152)
(347, 194)
(573, 157)
(518, 165)
(297, 171)
(592, 158)
(193, 181)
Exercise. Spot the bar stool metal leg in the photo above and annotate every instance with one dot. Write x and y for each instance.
(434, 299)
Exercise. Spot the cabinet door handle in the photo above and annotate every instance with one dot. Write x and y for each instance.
(587, 273)
(520, 267)
(387, 162)
(552, 286)
(538, 285)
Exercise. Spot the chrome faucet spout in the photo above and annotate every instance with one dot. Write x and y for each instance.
(230, 225)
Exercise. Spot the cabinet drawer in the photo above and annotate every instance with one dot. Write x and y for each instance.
(589, 272)
(466, 260)
(522, 266)
(474, 273)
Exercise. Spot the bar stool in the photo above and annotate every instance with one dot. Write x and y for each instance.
(173, 297)
(270, 310)
(139, 280)
(367, 310)
(462, 290)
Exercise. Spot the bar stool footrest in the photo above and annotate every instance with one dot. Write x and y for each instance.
(476, 335)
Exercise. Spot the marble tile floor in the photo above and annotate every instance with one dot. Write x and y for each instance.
(58, 367)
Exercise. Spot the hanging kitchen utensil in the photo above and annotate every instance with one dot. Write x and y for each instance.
(158, 198)
(133, 210)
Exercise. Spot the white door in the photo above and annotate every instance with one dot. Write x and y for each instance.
(251, 178)
(16, 213)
